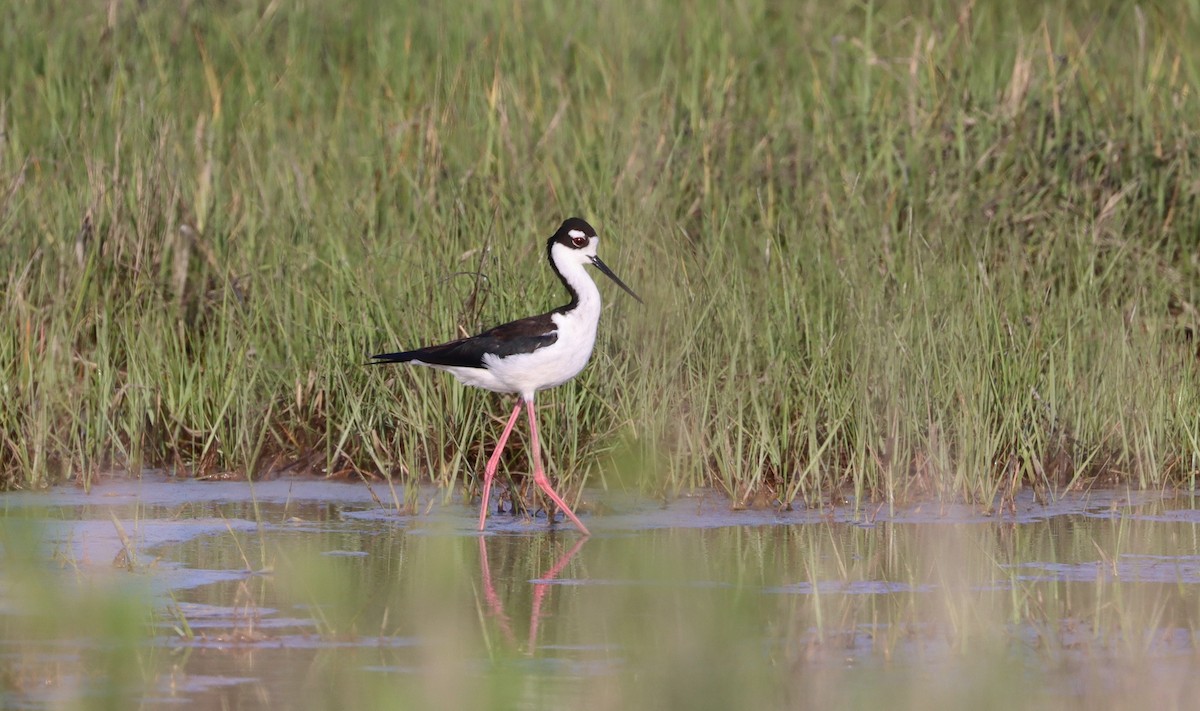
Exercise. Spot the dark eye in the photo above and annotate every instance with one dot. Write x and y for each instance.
(579, 242)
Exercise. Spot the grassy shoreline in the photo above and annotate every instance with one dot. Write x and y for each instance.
(894, 250)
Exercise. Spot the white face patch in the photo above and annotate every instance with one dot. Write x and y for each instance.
(576, 233)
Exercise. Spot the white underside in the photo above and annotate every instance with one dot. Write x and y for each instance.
(526, 373)
(553, 365)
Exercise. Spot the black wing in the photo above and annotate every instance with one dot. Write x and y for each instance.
(523, 336)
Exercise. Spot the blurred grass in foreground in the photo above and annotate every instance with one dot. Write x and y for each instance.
(1076, 611)
(888, 249)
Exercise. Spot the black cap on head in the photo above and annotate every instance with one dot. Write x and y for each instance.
(575, 233)
(576, 224)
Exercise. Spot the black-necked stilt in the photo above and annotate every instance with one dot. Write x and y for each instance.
(531, 354)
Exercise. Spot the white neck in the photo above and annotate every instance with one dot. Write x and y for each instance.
(587, 295)
(571, 267)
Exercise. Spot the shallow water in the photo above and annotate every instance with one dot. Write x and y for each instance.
(311, 593)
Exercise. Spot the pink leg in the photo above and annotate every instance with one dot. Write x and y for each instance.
(539, 591)
(539, 476)
(489, 591)
(489, 472)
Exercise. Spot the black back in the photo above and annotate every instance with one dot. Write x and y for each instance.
(522, 336)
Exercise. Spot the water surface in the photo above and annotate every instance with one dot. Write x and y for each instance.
(311, 593)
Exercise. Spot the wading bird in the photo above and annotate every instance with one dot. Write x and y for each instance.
(531, 354)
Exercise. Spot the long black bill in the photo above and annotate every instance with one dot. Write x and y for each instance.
(608, 273)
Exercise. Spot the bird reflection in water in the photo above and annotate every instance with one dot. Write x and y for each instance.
(541, 586)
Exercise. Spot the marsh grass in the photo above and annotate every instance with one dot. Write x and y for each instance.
(888, 249)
